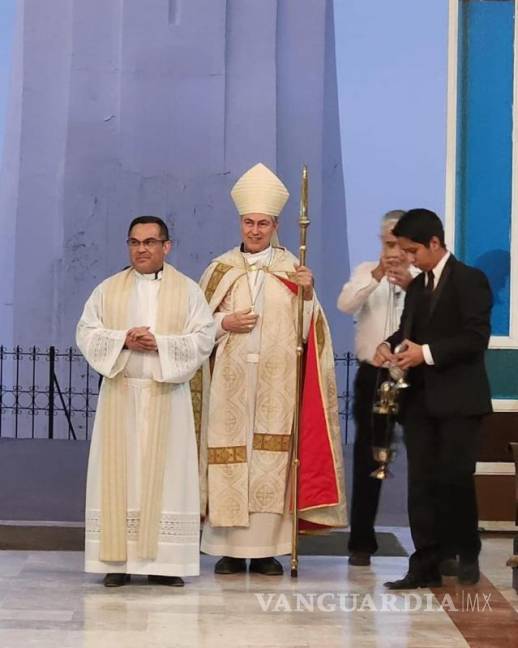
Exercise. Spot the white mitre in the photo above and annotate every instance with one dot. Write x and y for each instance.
(259, 191)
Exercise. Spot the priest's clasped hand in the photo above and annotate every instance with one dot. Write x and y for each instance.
(140, 339)
(304, 277)
(242, 321)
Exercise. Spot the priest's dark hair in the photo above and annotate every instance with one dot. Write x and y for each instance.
(145, 220)
(420, 226)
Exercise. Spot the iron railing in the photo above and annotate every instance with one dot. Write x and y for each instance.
(52, 394)
(345, 367)
(46, 394)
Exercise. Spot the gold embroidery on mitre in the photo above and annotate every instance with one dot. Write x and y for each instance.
(219, 272)
(272, 442)
(227, 455)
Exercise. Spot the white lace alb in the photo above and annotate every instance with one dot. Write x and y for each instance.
(175, 528)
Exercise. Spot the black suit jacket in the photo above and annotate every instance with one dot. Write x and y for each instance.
(457, 331)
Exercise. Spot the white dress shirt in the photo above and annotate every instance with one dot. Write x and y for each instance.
(376, 305)
(437, 273)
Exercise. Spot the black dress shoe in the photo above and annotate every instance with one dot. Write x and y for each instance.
(116, 580)
(228, 565)
(360, 559)
(266, 566)
(449, 567)
(411, 581)
(468, 573)
(172, 581)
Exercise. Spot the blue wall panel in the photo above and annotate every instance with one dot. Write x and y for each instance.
(484, 141)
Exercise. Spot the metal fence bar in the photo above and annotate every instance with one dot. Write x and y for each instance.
(17, 391)
(52, 362)
(70, 360)
(33, 391)
(65, 410)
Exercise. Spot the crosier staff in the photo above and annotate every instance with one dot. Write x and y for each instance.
(303, 226)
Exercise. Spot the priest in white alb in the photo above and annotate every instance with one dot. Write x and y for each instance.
(146, 330)
(247, 395)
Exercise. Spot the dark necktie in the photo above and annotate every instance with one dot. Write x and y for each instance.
(430, 281)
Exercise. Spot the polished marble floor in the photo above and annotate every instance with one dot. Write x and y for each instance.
(47, 602)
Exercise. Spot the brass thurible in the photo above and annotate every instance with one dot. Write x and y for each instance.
(387, 405)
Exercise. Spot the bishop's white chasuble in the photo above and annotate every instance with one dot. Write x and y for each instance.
(246, 404)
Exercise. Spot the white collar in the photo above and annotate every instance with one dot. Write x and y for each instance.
(263, 255)
(438, 269)
(149, 277)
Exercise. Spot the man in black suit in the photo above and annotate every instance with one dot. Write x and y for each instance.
(441, 340)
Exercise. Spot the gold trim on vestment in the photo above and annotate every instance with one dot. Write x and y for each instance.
(272, 442)
(320, 333)
(171, 318)
(196, 385)
(228, 455)
(219, 272)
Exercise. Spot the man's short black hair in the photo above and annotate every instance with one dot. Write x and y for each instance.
(145, 220)
(420, 226)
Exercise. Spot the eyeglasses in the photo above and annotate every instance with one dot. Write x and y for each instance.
(148, 243)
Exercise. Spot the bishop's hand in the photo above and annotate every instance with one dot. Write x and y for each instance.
(304, 277)
(242, 321)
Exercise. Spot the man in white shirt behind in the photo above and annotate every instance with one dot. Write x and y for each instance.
(375, 295)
